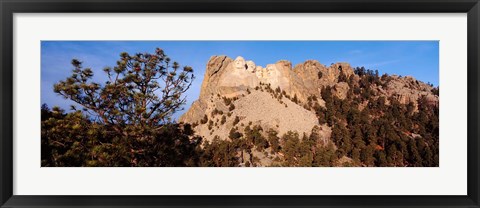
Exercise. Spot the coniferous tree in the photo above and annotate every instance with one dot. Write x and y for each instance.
(120, 118)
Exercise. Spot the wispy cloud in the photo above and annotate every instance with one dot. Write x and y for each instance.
(381, 63)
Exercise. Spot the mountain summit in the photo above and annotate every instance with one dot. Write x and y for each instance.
(237, 96)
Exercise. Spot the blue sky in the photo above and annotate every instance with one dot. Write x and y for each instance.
(417, 58)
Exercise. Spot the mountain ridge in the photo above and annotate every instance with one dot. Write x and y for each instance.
(308, 99)
(303, 80)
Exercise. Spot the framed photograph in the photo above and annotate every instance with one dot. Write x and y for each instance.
(265, 103)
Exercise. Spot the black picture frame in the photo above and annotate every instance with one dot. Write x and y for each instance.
(10, 7)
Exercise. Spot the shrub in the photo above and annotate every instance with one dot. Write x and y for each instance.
(236, 121)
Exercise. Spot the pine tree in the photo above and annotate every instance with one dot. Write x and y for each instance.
(125, 121)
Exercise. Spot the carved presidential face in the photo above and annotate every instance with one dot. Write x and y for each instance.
(239, 63)
(271, 70)
(259, 71)
(250, 66)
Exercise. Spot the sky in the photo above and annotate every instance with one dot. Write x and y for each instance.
(419, 59)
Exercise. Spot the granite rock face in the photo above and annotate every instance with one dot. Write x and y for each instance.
(240, 79)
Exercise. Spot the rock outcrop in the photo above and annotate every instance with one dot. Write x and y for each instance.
(238, 80)
(407, 89)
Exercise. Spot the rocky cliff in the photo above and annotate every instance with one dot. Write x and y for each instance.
(238, 93)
